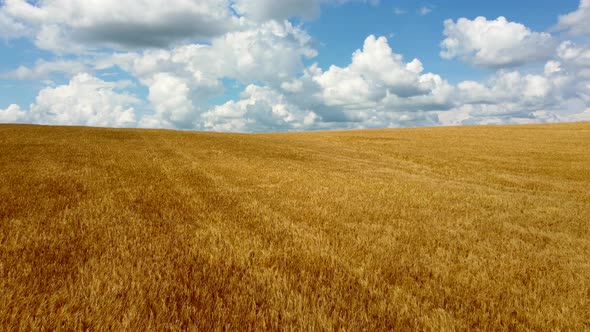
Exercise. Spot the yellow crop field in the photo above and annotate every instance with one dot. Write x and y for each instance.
(456, 228)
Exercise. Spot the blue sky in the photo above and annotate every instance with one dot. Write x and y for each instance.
(264, 65)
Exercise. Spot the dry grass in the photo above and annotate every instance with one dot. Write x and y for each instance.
(472, 228)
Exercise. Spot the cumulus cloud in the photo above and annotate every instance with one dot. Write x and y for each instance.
(183, 51)
(583, 116)
(494, 44)
(171, 99)
(263, 10)
(557, 93)
(265, 109)
(86, 100)
(575, 60)
(116, 23)
(573, 54)
(506, 87)
(552, 67)
(576, 23)
(181, 80)
(10, 28)
(270, 52)
(377, 89)
(13, 114)
(72, 26)
(43, 69)
(377, 78)
(260, 109)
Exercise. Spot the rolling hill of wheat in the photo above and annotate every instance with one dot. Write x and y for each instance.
(458, 228)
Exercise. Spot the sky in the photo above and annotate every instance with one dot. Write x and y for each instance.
(293, 65)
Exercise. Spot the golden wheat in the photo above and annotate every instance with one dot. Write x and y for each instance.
(468, 228)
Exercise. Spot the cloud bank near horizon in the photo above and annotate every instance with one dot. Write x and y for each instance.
(183, 53)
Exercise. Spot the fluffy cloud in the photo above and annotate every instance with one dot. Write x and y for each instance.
(43, 69)
(187, 49)
(260, 109)
(13, 114)
(265, 109)
(86, 100)
(70, 26)
(494, 44)
(116, 23)
(262, 10)
(560, 91)
(555, 94)
(171, 99)
(9, 28)
(181, 80)
(584, 116)
(552, 67)
(573, 54)
(506, 87)
(378, 78)
(575, 60)
(576, 23)
(378, 89)
(270, 53)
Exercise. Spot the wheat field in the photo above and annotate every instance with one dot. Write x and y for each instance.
(433, 229)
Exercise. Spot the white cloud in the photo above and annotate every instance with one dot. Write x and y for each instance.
(552, 67)
(188, 48)
(13, 114)
(180, 81)
(177, 92)
(265, 109)
(574, 54)
(10, 28)
(576, 23)
(55, 39)
(575, 61)
(555, 94)
(262, 10)
(506, 87)
(377, 89)
(270, 53)
(118, 23)
(260, 109)
(170, 97)
(584, 116)
(86, 100)
(495, 44)
(43, 69)
(377, 78)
